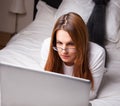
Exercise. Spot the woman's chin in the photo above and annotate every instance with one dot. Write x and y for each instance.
(68, 63)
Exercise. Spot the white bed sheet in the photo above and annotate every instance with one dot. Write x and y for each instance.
(24, 48)
(109, 93)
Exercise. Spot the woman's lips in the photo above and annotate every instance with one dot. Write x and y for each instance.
(65, 56)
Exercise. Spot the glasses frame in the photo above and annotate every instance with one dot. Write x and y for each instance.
(60, 49)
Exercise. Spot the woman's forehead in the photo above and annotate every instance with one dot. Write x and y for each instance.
(63, 36)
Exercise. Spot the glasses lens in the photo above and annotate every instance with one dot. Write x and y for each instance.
(59, 49)
(72, 50)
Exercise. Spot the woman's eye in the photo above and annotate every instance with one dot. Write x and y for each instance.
(59, 43)
(71, 44)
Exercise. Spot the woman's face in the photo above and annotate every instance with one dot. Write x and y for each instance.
(65, 46)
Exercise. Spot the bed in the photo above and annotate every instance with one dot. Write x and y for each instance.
(23, 50)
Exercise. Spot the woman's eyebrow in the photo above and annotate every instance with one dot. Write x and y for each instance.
(58, 41)
(67, 43)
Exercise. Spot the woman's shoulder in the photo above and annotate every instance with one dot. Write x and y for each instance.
(97, 56)
(96, 49)
(47, 40)
(46, 44)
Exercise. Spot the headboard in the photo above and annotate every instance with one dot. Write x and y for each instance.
(53, 3)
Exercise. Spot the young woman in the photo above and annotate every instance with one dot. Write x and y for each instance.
(71, 52)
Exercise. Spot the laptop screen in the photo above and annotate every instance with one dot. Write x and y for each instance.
(23, 87)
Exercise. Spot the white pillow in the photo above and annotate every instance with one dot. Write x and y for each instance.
(44, 11)
(113, 21)
(45, 17)
(82, 7)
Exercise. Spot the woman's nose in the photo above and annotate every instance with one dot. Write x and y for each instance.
(64, 49)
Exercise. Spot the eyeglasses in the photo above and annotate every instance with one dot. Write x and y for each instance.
(59, 49)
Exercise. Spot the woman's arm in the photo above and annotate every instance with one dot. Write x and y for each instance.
(44, 52)
(97, 66)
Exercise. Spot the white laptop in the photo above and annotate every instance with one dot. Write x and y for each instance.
(25, 87)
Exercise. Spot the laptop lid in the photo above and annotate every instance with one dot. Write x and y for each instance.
(25, 87)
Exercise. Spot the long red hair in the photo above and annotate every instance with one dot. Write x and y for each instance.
(76, 28)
